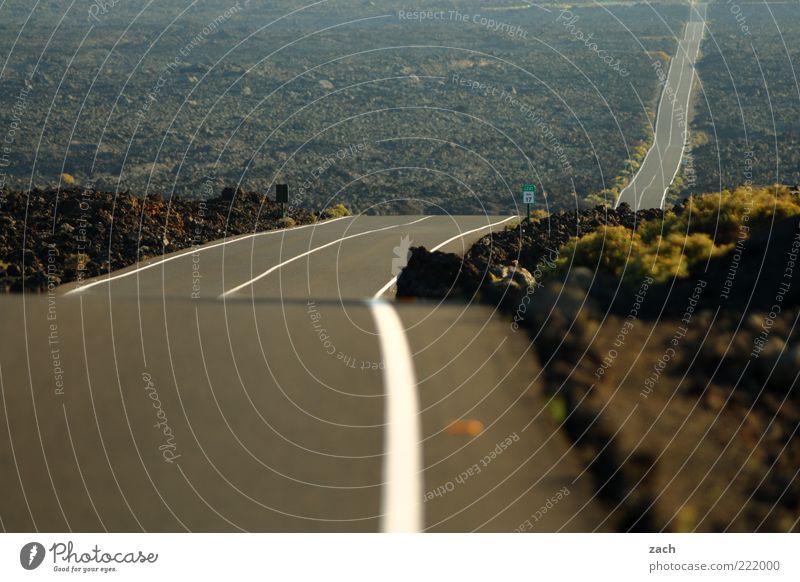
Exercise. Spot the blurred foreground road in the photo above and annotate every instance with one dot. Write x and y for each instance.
(291, 401)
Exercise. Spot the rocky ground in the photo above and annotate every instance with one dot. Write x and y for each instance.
(523, 248)
(681, 398)
(75, 233)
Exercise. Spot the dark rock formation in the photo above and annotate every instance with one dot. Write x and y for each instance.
(49, 237)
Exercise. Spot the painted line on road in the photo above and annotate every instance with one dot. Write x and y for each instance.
(393, 281)
(314, 250)
(192, 251)
(401, 500)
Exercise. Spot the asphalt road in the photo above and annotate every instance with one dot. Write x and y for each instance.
(353, 257)
(663, 161)
(278, 397)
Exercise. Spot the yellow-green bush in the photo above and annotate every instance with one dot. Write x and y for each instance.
(335, 211)
(666, 248)
(722, 215)
(622, 253)
(286, 222)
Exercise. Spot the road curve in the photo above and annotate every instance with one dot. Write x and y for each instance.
(290, 404)
(649, 186)
(347, 258)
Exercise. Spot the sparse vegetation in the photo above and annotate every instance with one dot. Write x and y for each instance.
(707, 345)
(286, 222)
(553, 111)
(745, 127)
(626, 255)
(337, 211)
(667, 247)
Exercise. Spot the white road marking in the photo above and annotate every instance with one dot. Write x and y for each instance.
(191, 251)
(401, 502)
(314, 250)
(393, 281)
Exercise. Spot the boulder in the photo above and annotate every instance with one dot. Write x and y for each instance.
(437, 275)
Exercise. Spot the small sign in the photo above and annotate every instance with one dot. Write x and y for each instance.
(282, 193)
(528, 193)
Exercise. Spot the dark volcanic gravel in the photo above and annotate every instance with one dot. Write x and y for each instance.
(72, 234)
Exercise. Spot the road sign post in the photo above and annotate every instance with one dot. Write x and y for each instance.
(528, 196)
(282, 197)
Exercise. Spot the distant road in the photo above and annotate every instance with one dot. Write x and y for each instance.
(663, 161)
(281, 398)
(353, 257)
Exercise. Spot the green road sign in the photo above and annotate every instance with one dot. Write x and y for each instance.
(528, 193)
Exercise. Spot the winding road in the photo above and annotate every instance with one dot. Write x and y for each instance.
(264, 383)
(257, 384)
(649, 186)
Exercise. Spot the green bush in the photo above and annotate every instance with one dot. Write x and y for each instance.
(335, 211)
(668, 247)
(622, 253)
(722, 215)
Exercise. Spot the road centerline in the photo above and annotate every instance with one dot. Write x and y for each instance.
(312, 251)
(401, 499)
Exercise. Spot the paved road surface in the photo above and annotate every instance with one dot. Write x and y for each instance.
(352, 257)
(662, 163)
(288, 405)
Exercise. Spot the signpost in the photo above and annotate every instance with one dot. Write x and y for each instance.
(528, 195)
(282, 197)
